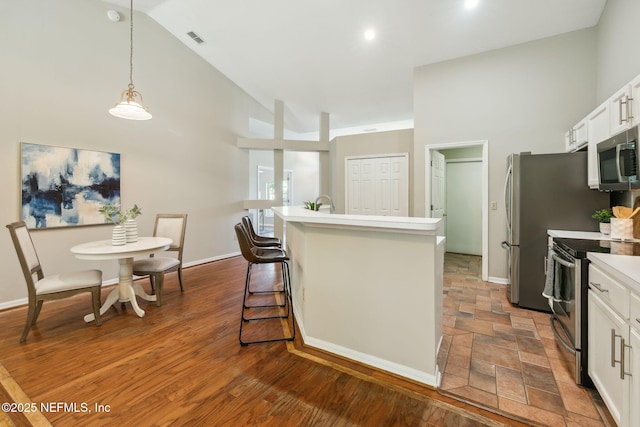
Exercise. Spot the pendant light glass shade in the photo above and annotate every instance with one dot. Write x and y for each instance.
(128, 107)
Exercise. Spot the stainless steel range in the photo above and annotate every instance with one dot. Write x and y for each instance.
(569, 314)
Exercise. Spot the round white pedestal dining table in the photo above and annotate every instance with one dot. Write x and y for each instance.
(127, 289)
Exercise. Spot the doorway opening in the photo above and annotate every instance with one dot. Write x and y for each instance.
(266, 190)
(467, 187)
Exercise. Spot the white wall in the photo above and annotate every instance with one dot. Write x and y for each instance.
(64, 65)
(618, 41)
(521, 98)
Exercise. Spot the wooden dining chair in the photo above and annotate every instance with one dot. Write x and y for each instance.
(172, 226)
(53, 287)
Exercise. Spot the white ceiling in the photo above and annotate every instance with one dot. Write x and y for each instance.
(312, 54)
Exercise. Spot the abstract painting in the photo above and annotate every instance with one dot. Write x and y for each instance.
(64, 187)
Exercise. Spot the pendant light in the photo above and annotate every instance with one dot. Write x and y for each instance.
(129, 107)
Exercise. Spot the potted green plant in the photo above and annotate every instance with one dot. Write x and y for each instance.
(312, 206)
(603, 216)
(125, 228)
(130, 223)
(112, 214)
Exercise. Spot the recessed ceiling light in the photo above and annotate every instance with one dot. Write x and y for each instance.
(471, 4)
(369, 34)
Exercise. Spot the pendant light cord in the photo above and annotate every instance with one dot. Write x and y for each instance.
(131, 49)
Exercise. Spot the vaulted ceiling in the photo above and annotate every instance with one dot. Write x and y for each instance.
(314, 55)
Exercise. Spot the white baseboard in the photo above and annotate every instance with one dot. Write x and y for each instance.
(24, 301)
(14, 303)
(206, 260)
(498, 280)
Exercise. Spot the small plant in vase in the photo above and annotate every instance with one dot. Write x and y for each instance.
(125, 228)
(603, 216)
(113, 215)
(131, 225)
(312, 206)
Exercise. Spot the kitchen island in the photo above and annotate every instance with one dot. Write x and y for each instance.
(368, 288)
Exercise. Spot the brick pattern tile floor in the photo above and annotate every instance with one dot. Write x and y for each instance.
(505, 358)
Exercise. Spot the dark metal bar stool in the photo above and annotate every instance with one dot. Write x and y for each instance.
(264, 255)
(258, 240)
(261, 242)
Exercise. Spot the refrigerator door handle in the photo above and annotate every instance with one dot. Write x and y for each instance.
(507, 201)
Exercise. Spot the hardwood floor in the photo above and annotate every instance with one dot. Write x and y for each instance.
(181, 364)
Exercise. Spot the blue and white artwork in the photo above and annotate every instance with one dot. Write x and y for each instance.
(64, 187)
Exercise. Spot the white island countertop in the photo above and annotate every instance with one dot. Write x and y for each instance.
(392, 223)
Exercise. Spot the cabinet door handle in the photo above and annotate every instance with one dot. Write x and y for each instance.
(629, 108)
(623, 101)
(613, 349)
(622, 371)
(598, 286)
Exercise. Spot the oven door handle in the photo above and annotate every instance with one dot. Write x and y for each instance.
(557, 334)
(561, 261)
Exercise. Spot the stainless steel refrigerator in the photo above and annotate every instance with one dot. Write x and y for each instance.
(542, 192)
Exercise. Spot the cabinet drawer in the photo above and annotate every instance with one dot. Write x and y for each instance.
(610, 291)
(634, 312)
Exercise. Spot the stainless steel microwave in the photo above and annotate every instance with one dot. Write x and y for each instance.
(618, 161)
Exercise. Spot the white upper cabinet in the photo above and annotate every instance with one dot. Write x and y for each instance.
(634, 104)
(580, 133)
(623, 107)
(597, 130)
(617, 114)
(619, 110)
(576, 137)
(569, 145)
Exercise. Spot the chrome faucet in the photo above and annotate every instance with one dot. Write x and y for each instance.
(324, 196)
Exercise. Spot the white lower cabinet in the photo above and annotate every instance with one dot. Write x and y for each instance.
(634, 393)
(614, 346)
(634, 359)
(606, 332)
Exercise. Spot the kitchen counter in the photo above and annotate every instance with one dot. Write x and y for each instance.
(623, 268)
(368, 288)
(378, 222)
(588, 235)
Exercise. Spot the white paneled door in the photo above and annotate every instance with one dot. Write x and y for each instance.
(378, 186)
(438, 168)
